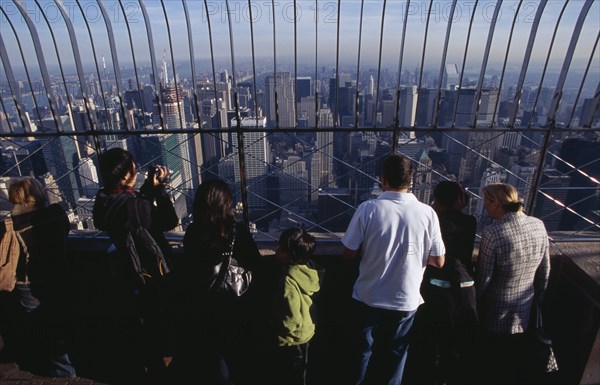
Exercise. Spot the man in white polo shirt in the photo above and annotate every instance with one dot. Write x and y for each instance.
(396, 236)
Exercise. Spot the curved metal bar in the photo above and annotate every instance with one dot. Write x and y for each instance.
(464, 62)
(587, 68)
(234, 85)
(362, 5)
(380, 52)
(77, 58)
(295, 67)
(212, 60)
(508, 45)
(192, 61)
(153, 63)
(274, 70)
(486, 57)
(39, 53)
(537, 96)
(10, 126)
(162, 3)
(337, 68)
(525, 67)
(135, 70)
(400, 60)
(10, 76)
(438, 93)
(556, 100)
(414, 123)
(240, 135)
(95, 63)
(316, 63)
(115, 59)
(567, 63)
(253, 61)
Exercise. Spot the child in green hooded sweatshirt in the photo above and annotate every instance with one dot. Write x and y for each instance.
(294, 325)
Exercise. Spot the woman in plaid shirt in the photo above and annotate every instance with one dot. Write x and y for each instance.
(512, 272)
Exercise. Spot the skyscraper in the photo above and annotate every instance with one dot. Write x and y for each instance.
(257, 161)
(88, 177)
(279, 100)
(451, 77)
(173, 110)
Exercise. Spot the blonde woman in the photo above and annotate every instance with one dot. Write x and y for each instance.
(512, 272)
(35, 312)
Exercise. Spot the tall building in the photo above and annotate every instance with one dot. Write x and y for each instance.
(52, 188)
(257, 161)
(293, 182)
(408, 106)
(175, 155)
(422, 187)
(426, 107)
(333, 98)
(451, 77)
(88, 177)
(303, 88)
(584, 198)
(555, 186)
(521, 177)
(493, 174)
(324, 157)
(173, 110)
(279, 100)
(306, 107)
(62, 157)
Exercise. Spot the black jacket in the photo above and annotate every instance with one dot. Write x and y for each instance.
(112, 213)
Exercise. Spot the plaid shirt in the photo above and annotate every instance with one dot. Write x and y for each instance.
(513, 267)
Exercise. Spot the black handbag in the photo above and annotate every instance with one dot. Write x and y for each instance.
(228, 277)
(542, 354)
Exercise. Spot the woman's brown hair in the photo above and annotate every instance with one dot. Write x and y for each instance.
(27, 191)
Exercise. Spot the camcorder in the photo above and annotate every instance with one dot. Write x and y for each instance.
(154, 170)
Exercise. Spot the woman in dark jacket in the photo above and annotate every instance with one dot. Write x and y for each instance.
(36, 311)
(446, 323)
(135, 222)
(218, 328)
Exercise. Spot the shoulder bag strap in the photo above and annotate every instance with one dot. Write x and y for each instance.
(8, 224)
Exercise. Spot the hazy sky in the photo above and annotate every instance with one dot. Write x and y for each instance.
(312, 19)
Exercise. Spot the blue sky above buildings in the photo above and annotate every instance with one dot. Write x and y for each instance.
(314, 18)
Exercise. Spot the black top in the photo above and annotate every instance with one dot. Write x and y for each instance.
(203, 250)
(45, 241)
(156, 218)
(458, 232)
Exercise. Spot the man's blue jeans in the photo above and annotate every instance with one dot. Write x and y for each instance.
(382, 344)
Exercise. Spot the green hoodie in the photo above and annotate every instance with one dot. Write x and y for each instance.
(295, 325)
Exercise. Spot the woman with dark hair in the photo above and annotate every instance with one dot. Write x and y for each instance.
(215, 329)
(446, 323)
(458, 228)
(135, 221)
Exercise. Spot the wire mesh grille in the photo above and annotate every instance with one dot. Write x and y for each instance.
(296, 103)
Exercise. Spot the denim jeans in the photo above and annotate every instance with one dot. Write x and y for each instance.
(382, 344)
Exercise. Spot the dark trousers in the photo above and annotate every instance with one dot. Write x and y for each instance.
(504, 359)
(291, 364)
(35, 333)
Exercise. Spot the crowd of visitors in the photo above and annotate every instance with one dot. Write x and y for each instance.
(424, 309)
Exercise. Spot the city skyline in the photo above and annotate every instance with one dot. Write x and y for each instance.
(303, 176)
